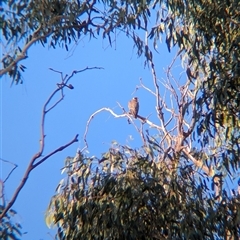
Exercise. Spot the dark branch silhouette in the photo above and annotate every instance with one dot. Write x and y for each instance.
(46, 109)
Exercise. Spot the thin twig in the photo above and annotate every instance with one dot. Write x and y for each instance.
(33, 164)
(82, 70)
(131, 120)
(125, 114)
(90, 119)
(2, 193)
(146, 88)
(75, 139)
(200, 164)
(15, 166)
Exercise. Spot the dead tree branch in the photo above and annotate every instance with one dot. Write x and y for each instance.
(2, 182)
(14, 167)
(125, 114)
(30, 167)
(46, 109)
(91, 118)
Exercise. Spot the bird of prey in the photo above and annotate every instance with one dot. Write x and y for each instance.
(133, 106)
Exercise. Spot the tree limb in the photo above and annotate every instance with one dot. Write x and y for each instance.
(125, 114)
(23, 54)
(31, 166)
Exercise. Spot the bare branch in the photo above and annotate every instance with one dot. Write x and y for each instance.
(160, 108)
(125, 114)
(14, 167)
(2, 193)
(208, 170)
(79, 71)
(146, 88)
(184, 99)
(157, 94)
(142, 134)
(143, 121)
(31, 166)
(90, 119)
(75, 139)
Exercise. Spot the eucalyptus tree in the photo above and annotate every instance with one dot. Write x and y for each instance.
(162, 189)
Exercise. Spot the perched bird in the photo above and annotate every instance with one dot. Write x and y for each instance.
(133, 106)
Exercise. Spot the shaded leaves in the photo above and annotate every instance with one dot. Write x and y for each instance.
(9, 227)
(134, 198)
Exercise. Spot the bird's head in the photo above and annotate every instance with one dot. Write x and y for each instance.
(135, 99)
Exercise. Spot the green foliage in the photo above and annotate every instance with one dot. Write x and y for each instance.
(124, 195)
(9, 229)
(207, 33)
(59, 23)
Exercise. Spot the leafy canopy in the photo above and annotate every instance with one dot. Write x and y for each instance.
(125, 195)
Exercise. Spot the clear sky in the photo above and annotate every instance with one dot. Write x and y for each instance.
(21, 108)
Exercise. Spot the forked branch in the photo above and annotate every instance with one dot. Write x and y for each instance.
(46, 109)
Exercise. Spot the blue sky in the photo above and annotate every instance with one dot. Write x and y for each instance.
(21, 108)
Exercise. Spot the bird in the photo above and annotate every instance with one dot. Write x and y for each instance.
(133, 106)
